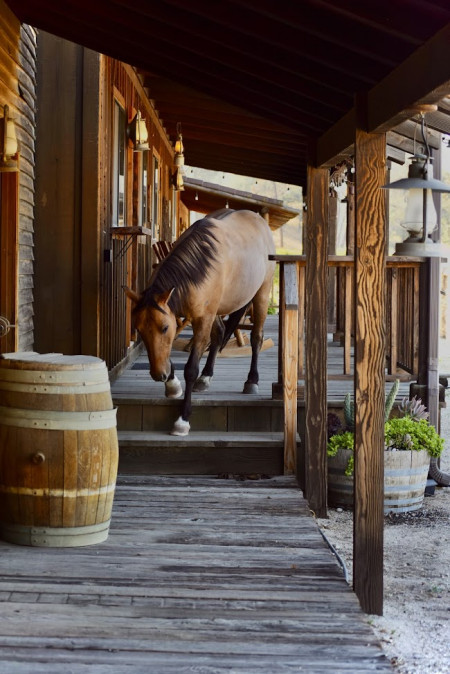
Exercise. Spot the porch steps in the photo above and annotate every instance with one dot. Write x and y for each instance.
(201, 453)
(230, 432)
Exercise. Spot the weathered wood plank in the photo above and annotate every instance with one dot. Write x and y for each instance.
(198, 574)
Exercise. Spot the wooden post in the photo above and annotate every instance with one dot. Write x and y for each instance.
(370, 264)
(290, 365)
(316, 341)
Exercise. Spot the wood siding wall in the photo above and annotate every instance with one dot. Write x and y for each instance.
(82, 261)
(26, 133)
(131, 259)
(17, 90)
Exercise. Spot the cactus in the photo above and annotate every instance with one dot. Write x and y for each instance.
(391, 399)
(349, 413)
(349, 406)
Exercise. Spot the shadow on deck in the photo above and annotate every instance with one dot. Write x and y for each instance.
(198, 575)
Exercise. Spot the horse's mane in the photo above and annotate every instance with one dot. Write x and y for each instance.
(187, 265)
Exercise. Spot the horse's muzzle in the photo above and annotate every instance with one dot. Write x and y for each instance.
(160, 376)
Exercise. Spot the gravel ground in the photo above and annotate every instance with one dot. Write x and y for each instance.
(415, 628)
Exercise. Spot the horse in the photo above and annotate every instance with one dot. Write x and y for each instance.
(217, 268)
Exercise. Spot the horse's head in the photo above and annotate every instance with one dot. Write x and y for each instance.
(157, 325)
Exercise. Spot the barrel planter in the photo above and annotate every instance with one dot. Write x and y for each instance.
(58, 450)
(405, 478)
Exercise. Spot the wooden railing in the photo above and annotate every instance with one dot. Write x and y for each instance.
(403, 318)
(402, 313)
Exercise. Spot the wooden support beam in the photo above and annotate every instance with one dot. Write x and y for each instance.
(424, 77)
(370, 271)
(316, 340)
(290, 365)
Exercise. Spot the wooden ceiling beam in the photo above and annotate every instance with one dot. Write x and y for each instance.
(219, 139)
(423, 78)
(283, 30)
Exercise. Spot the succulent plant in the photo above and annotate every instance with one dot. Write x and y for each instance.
(334, 424)
(413, 408)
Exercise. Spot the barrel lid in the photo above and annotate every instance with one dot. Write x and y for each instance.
(48, 361)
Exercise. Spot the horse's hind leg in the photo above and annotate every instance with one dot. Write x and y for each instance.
(217, 333)
(260, 306)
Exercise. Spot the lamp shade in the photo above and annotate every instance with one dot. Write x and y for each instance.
(420, 176)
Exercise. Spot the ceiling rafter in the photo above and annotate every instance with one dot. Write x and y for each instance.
(256, 84)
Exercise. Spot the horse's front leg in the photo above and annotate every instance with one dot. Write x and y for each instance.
(173, 387)
(202, 331)
(217, 333)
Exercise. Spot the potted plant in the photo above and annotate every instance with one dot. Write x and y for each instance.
(410, 441)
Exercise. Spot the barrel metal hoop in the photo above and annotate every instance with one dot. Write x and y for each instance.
(59, 421)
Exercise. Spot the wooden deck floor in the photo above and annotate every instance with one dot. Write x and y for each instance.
(230, 373)
(198, 575)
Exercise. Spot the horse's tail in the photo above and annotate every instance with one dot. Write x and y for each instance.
(231, 324)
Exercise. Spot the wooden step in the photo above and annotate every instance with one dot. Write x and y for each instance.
(222, 416)
(200, 453)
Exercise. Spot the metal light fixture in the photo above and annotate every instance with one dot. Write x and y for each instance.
(137, 133)
(179, 148)
(8, 143)
(420, 218)
(177, 180)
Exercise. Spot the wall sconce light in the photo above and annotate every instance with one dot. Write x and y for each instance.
(177, 181)
(420, 217)
(179, 148)
(196, 196)
(137, 133)
(8, 143)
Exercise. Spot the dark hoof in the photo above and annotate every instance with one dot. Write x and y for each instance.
(249, 387)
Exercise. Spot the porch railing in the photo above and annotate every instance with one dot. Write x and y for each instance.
(404, 350)
(402, 313)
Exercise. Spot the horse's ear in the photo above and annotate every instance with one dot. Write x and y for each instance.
(134, 297)
(164, 297)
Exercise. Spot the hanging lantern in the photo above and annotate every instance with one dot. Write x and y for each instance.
(420, 218)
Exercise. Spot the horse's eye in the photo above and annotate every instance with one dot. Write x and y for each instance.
(164, 329)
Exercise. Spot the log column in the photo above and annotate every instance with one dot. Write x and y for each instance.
(316, 340)
(370, 264)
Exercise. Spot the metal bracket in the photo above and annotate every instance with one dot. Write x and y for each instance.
(5, 326)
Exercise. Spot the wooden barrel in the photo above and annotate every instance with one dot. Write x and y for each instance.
(340, 485)
(405, 477)
(58, 450)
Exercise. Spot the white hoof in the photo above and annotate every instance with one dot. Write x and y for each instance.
(173, 388)
(180, 427)
(202, 384)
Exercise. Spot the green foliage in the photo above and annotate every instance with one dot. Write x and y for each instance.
(345, 440)
(405, 433)
(410, 432)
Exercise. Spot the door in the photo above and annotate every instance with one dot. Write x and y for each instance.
(9, 193)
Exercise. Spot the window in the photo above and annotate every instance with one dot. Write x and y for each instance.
(173, 214)
(119, 166)
(143, 191)
(155, 197)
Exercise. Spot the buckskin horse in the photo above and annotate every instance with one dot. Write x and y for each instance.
(218, 267)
